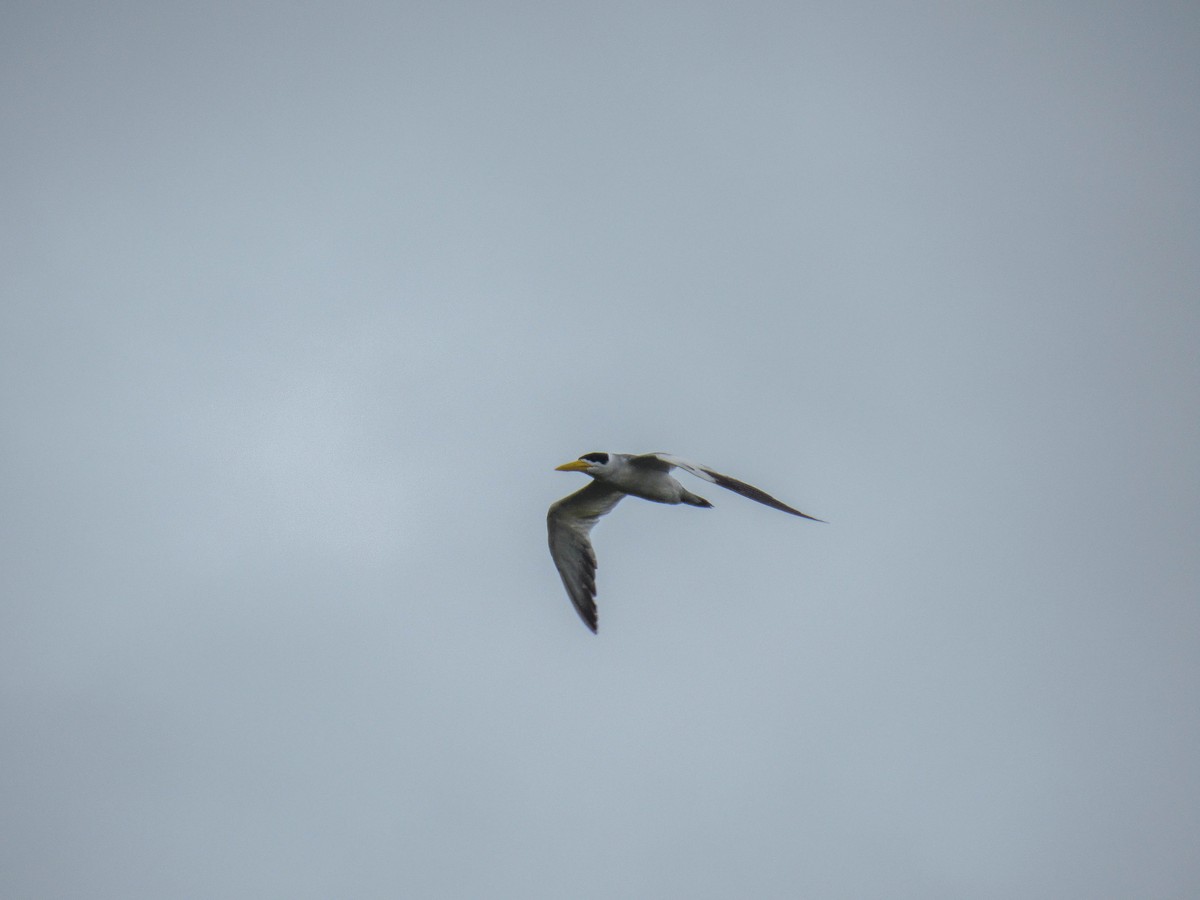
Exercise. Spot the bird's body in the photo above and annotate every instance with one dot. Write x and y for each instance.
(616, 475)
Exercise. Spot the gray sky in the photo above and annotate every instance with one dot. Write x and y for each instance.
(302, 303)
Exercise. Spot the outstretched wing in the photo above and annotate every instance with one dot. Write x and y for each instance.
(665, 460)
(568, 523)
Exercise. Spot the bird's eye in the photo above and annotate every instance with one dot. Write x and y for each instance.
(598, 458)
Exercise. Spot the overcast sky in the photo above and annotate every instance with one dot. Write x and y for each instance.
(303, 302)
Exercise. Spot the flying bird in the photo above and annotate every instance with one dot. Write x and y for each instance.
(615, 475)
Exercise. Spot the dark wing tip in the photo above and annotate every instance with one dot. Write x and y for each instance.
(585, 605)
(796, 512)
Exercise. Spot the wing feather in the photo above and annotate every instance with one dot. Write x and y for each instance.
(725, 481)
(568, 523)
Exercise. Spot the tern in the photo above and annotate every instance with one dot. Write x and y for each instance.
(615, 475)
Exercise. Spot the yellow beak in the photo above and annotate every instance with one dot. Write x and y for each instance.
(575, 465)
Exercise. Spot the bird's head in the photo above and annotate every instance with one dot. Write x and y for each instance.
(590, 463)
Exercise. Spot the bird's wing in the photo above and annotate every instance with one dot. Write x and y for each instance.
(660, 460)
(568, 522)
